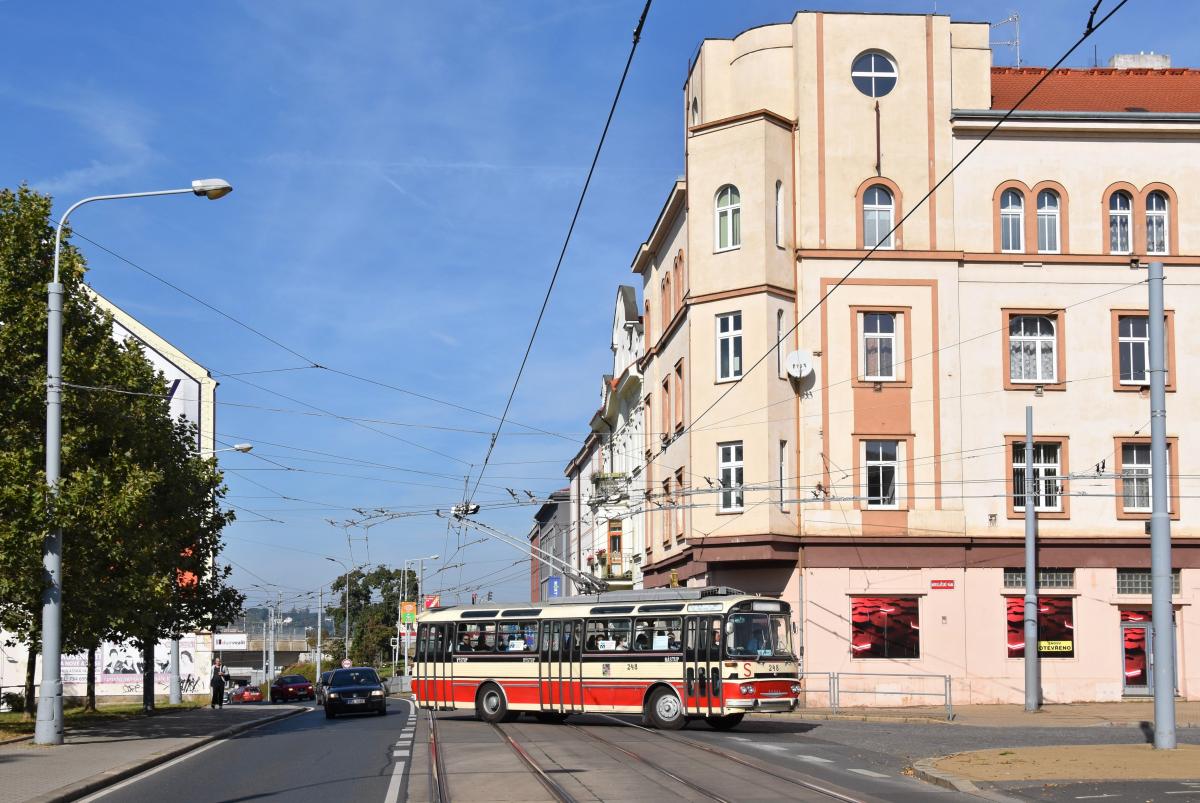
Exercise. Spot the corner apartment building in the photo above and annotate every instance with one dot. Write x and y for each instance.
(881, 494)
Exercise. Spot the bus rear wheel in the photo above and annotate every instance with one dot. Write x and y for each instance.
(490, 705)
(726, 722)
(664, 711)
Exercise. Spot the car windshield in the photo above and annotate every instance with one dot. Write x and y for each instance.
(757, 634)
(354, 677)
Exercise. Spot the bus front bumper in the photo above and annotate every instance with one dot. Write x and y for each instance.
(765, 706)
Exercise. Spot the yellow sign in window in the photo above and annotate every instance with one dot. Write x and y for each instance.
(1055, 646)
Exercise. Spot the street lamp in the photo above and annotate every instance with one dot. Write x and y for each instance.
(244, 448)
(49, 728)
(420, 590)
(347, 592)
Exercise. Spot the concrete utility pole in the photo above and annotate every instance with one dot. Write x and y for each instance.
(1162, 612)
(1033, 669)
(175, 695)
(274, 626)
(49, 726)
(320, 625)
(264, 650)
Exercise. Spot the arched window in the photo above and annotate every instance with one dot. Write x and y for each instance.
(1120, 222)
(779, 213)
(1032, 349)
(878, 211)
(729, 218)
(780, 348)
(1012, 222)
(646, 323)
(1156, 223)
(665, 299)
(1048, 222)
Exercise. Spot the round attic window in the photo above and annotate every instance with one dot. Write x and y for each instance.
(874, 74)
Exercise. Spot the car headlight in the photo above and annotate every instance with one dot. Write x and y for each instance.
(796, 689)
(746, 688)
(377, 693)
(333, 695)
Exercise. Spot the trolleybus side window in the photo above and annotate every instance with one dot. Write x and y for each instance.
(517, 637)
(607, 635)
(657, 634)
(475, 637)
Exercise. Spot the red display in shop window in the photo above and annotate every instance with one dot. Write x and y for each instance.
(1056, 628)
(884, 627)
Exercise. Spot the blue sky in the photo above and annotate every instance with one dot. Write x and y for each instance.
(404, 176)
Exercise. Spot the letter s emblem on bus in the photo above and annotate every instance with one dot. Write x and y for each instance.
(747, 671)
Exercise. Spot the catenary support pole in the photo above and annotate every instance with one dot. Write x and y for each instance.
(1163, 613)
(1033, 680)
(175, 692)
(346, 641)
(320, 626)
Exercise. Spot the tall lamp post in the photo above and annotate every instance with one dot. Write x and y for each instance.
(49, 728)
(420, 590)
(347, 570)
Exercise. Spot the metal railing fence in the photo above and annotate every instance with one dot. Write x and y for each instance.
(835, 689)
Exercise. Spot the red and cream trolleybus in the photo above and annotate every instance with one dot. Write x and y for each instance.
(670, 655)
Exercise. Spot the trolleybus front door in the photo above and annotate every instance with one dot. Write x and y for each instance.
(434, 668)
(702, 665)
(560, 666)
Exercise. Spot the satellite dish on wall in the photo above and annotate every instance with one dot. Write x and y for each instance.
(799, 364)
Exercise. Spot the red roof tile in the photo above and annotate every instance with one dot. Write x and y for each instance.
(1098, 90)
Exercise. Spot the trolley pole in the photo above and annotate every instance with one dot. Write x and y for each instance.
(1160, 526)
(1033, 681)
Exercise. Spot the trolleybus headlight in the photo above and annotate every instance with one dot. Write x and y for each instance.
(796, 688)
(747, 688)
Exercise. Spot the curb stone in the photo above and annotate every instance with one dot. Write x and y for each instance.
(116, 775)
(14, 739)
(904, 720)
(927, 772)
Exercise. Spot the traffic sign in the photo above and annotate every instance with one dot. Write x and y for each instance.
(554, 586)
(347, 663)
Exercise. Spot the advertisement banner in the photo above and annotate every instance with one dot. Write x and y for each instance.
(230, 641)
(408, 612)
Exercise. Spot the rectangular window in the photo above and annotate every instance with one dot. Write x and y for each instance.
(1033, 349)
(730, 469)
(879, 346)
(475, 637)
(657, 634)
(665, 410)
(729, 346)
(1119, 220)
(880, 466)
(1055, 631)
(667, 501)
(680, 501)
(779, 214)
(1135, 477)
(649, 491)
(518, 636)
(614, 541)
(1137, 581)
(607, 635)
(780, 346)
(679, 396)
(1047, 578)
(1133, 349)
(781, 475)
(885, 627)
(1047, 471)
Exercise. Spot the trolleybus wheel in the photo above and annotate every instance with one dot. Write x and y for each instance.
(550, 716)
(490, 705)
(726, 722)
(665, 711)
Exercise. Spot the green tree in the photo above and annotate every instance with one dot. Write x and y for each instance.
(374, 606)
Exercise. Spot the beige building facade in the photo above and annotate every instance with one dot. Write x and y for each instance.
(875, 491)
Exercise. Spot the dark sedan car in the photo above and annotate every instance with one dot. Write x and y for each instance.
(354, 690)
(291, 687)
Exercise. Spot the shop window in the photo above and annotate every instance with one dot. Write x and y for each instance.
(885, 627)
(1056, 627)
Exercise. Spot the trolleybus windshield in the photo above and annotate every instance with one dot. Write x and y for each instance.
(758, 634)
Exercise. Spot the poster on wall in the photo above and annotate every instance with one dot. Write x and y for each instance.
(119, 667)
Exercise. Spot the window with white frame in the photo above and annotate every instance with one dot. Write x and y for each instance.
(879, 346)
(728, 218)
(730, 474)
(779, 214)
(781, 474)
(881, 465)
(1048, 222)
(873, 74)
(1032, 349)
(1133, 349)
(1156, 223)
(1047, 472)
(1012, 221)
(729, 346)
(780, 351)
(878, 210)
(1120, 222)
(1136, 494)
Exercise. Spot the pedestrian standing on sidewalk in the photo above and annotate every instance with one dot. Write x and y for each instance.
(220, 676)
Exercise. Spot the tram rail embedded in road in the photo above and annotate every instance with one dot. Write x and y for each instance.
(438, 791)
(551, 785)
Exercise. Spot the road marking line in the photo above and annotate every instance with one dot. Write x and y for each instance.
(870, 773)
(393, 790)
(814, 759)
(1093, 797)
(400, 754)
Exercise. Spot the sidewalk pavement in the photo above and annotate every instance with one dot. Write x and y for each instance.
(102, 753)
(1118, 714)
